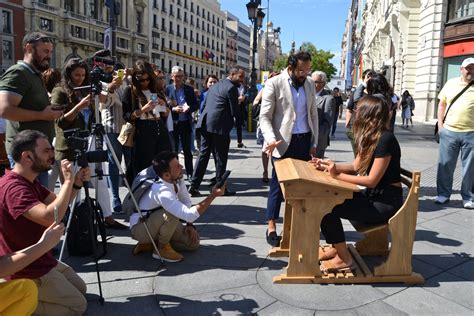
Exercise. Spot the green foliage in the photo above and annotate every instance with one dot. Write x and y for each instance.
(320, 59)
(280, 63)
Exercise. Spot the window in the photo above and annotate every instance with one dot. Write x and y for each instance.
(46, 24)
(141, 48)
(139, 21)
(155, 21)
(162, 42)
(192, 7)
(163, 24)
(155, 4)
(177, 47)
(171, 45)
(171, 10)
(171, 28)
(185, 16)
(460, 9)
(178, 29)
(7, 50)
(99, 37)
(170, 65)
(197, 10)
(122, 43)
(179, 13)
(78, 32)
(163, 5)
(184, 49)
(7, 22)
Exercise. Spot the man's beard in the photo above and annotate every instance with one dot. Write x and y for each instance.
(296, 81)
(39, 166)
(39, 64)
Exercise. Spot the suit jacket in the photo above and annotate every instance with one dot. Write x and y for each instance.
(221, 107)
(326, 104)
(189, 96)
(277, 112)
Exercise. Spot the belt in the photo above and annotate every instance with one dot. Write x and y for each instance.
(300, 135)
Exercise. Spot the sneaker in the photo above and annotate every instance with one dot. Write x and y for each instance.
(469, 205)
(118, 210)
(441, 200)
(139, 248)
(167, 253)
(241, 145)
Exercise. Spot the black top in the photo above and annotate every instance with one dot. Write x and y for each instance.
(388, 146)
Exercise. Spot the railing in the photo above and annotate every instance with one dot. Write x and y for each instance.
(75, 15)
(43, 6)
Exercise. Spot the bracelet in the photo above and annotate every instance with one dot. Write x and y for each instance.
(75, 186)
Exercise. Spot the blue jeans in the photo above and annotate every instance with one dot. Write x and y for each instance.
(450, 143)
(42, 177)
(113, 180)
(298, 149)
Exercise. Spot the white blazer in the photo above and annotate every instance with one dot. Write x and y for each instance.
(277, 112)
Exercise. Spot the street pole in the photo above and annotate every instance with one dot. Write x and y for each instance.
(253, 75)
(266, 36)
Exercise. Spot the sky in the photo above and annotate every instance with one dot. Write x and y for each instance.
(320, 22)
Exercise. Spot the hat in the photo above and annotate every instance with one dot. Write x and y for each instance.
(466, 62)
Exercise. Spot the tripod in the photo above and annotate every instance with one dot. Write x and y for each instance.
(98, 135)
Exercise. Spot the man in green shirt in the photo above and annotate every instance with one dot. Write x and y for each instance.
(24, 101)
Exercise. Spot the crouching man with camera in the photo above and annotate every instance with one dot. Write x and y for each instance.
(26, 209)
(163, 205)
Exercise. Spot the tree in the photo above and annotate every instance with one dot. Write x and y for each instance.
(320, 60)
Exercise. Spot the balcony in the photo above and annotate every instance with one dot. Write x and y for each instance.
(39, 5)
(155, 46)
(69, 14)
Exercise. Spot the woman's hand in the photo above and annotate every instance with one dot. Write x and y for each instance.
(84, 102)
(329, 166)
(316, 162)
(148, 107)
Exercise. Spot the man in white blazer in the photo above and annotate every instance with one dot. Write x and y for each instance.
(289, 123)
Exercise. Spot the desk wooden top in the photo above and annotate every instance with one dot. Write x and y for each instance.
(289, 170)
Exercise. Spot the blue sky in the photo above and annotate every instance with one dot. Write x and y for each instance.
(321, 22)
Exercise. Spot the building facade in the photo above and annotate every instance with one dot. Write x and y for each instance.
(270, 47)
(12, 32)
(243, 47)
(190, 34)
(417, 45)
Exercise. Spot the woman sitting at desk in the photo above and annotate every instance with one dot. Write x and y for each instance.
(377, 167)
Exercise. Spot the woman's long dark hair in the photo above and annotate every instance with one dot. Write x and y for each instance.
(372, 119)
(71, 65)
(141, 68)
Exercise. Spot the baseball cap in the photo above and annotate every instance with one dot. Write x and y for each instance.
(466, 62)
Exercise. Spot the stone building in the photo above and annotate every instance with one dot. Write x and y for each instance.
(12, 32)
(417, 45)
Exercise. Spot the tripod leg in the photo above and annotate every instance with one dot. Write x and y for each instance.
(135, 203)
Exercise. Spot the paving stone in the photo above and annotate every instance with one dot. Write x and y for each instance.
(281, 309)
(464, 271)
(453, 288)
(416, 301)
(438, 257)
(183, 280)
(304, 295)
(456, 232)
(378, 308)
(125, 306)
(233, 301)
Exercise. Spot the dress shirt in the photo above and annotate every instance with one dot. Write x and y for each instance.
(299, 101)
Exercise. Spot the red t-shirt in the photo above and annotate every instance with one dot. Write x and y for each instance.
(18, 195)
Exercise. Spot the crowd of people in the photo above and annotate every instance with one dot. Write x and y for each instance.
(147, 122)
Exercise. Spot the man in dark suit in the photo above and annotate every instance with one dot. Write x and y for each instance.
(221, 108)
(184, 104)
(326, 110)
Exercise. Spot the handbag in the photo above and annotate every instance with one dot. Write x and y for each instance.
(436, 129)
(127, 133)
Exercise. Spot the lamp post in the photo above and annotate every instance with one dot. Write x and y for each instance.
(256, 16)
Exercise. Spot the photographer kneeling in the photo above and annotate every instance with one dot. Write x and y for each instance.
(163, 205)
(26, 209)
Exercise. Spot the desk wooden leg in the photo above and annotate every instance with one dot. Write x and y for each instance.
(284, 249)
(303, 264)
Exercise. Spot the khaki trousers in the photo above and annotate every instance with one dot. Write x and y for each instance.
(165, 228)
(61, 292)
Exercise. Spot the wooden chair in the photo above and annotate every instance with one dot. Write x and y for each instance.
(401, 227)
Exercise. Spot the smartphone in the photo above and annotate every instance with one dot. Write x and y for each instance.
(224, 179)
(121, 73)
(154, 98)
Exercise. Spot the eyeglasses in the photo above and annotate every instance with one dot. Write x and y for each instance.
(144, 80)
(42, 38)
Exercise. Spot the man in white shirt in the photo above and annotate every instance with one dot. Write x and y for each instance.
(163, 206)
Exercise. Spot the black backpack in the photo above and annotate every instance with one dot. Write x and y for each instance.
(87, 213)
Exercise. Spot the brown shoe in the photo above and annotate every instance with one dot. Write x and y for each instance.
(139, 248)
(167, 253)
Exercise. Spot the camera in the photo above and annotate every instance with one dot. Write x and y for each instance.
(77, 140)
(97, 74)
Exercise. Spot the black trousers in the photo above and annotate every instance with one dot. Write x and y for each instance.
(183, 132)
(151, 138)
(211, 143)
(366, 207)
